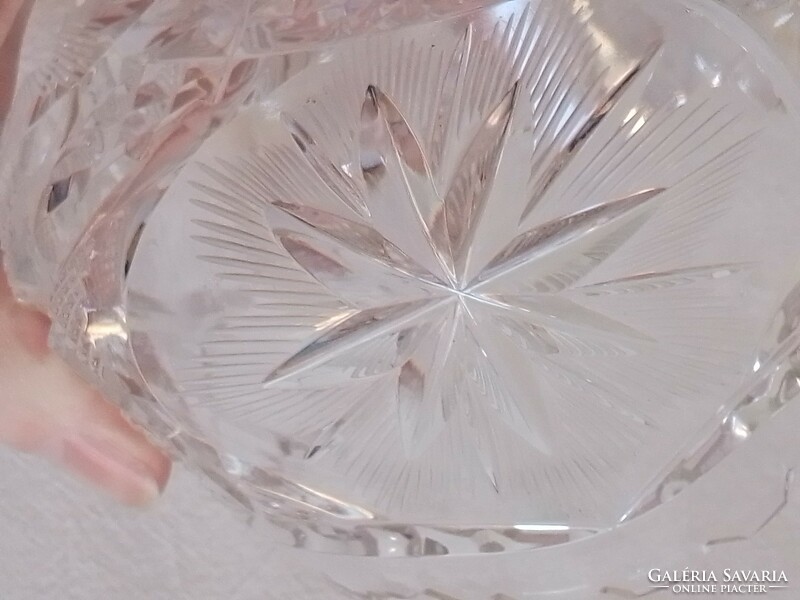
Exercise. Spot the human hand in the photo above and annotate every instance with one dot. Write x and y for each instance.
(44, 407)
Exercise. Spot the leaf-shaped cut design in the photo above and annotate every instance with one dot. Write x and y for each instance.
(466, 198)
(572, 240)
(503, 376)
(268, 194)
(420, 382)
(397, 323)
(348, 273)
(402, 199)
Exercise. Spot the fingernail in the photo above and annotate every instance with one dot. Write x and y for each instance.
(112, 468)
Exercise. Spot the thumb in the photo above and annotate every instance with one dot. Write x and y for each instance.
(13, 15)
(47, 410)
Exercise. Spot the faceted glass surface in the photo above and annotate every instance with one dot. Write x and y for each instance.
(417, 278)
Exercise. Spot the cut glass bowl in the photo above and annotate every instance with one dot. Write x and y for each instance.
(424, 277)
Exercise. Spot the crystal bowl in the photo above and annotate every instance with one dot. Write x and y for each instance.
(419, 278)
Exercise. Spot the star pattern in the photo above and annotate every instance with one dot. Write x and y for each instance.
(446, 236)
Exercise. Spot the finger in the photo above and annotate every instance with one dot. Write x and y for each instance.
(46, 409)
(9, 9)
(13, 14)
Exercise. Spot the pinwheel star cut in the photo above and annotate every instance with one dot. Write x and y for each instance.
(448, 265)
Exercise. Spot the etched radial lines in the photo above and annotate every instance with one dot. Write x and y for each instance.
(391, 231)
(577, 124)
(486, 258)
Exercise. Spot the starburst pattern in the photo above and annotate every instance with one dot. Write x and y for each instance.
(434, 244)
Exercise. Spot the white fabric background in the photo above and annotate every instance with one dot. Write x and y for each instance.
(61, 541)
